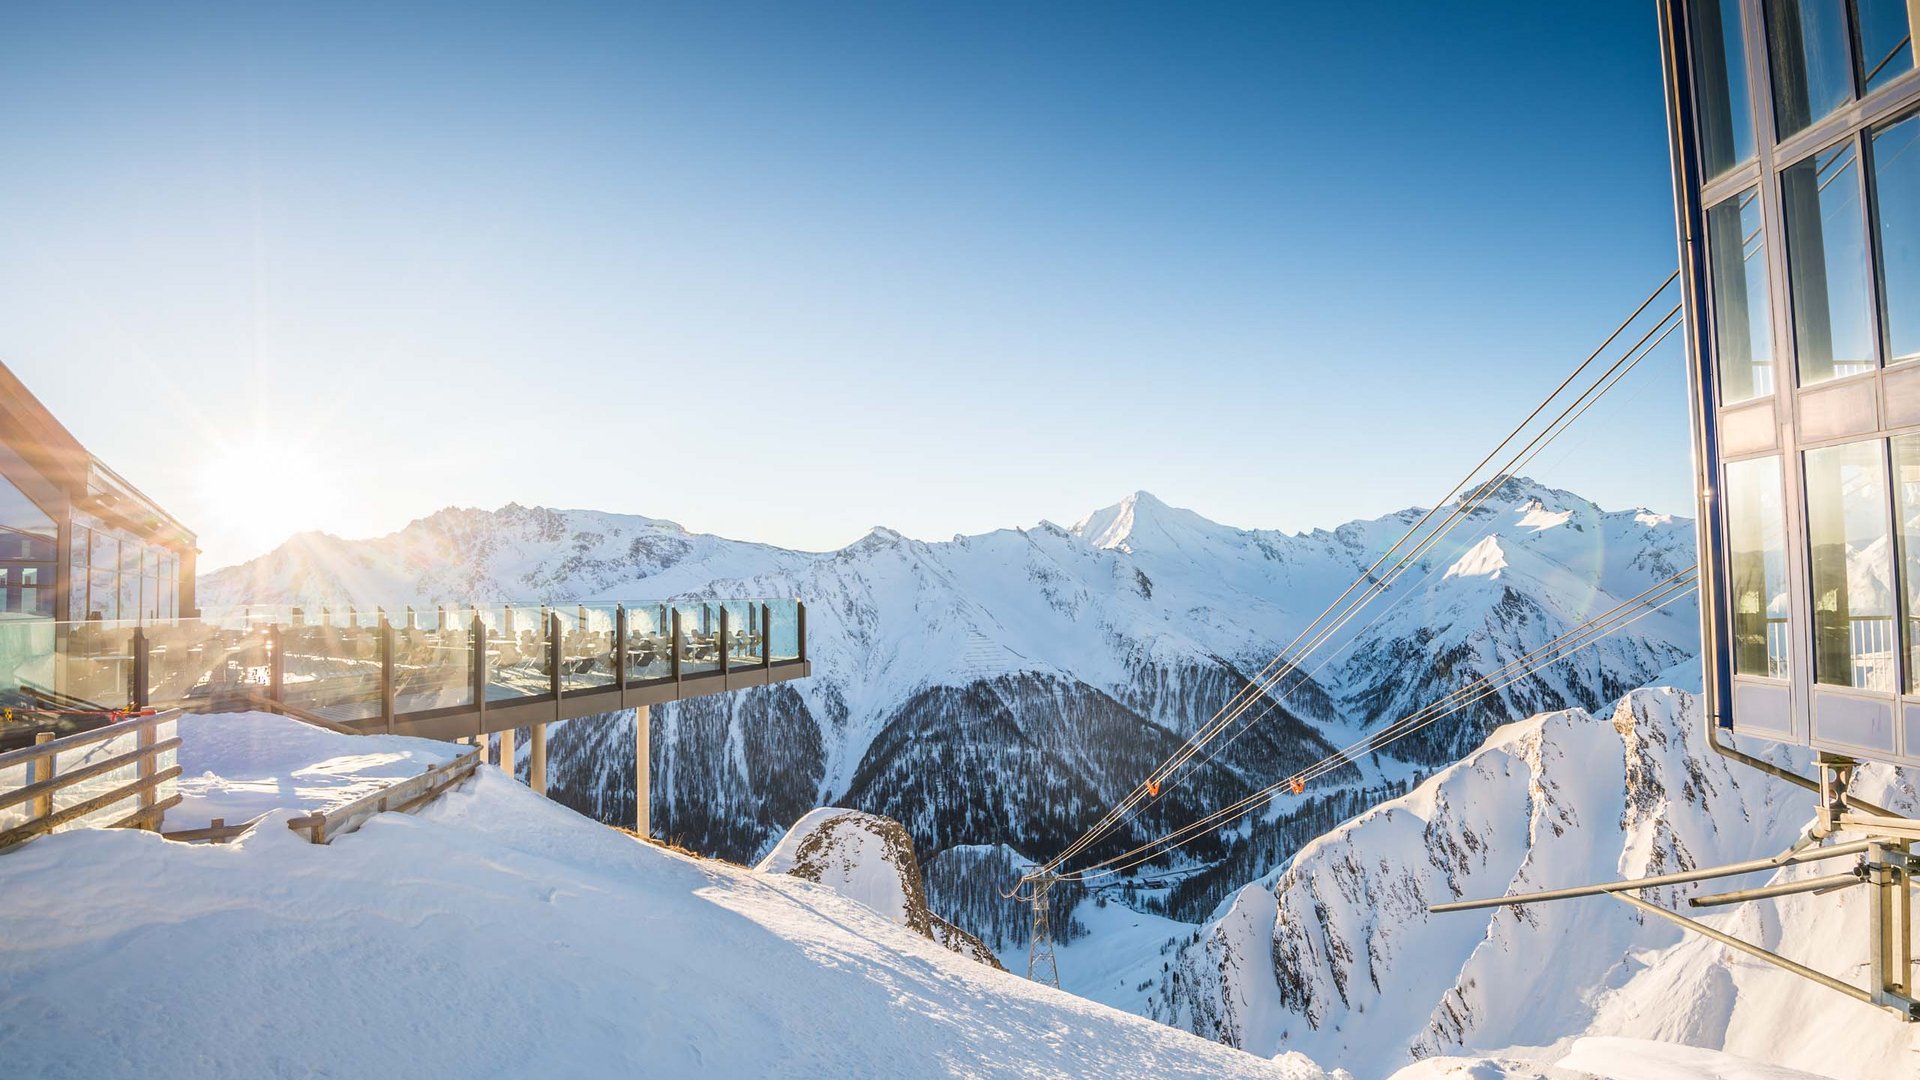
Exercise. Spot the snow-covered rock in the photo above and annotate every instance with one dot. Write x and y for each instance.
(862, 857)
(869, 859)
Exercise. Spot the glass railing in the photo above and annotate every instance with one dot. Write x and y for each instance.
(649, 643)
(784, 626)
(587, 646)
(516, 650)
(342, 663)
(432, 665)
(699, 638)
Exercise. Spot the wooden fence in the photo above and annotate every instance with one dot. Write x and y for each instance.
(120, 775)
(403, 797)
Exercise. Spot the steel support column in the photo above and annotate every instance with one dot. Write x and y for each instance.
(643, 767)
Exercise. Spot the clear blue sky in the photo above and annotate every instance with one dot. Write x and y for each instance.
(786, 271)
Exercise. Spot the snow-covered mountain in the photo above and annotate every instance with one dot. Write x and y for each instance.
(1003, 689)
(1337, 957)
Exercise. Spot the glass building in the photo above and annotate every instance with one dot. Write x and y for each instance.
(77, 542)
(1795, 126)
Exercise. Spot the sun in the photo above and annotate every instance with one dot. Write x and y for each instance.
(255, 492)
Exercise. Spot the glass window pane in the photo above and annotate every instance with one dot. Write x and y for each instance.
(1853, 638)
(1737, 250)
(106, 551)
(103, 597)
(1828, 265)
(1720, 69)
(1886, 41)
(1896, 184)
(1812, 60)
(1757, 546)
(26, 532)
(1906, 494)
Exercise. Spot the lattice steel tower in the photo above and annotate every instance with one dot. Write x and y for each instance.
(1041, 966)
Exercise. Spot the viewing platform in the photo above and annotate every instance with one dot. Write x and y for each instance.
(441, 673)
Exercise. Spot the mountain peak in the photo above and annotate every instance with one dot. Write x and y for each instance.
(1120, 526)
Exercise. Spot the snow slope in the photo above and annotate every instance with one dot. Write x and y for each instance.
(499, 935)
(1337, 957)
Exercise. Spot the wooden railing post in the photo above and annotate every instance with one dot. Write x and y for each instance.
(725, 644)
(41, 770)
(800, 616)
(143, 770)
(766, 635)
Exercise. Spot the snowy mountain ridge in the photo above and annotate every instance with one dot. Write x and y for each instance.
(1336, 956)
(1044, 669)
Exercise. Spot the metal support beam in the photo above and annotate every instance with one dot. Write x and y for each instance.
(478, 631)
(620, 646)
(276, 665)
(1750, 949)
(537, 760)
(556, 646)
(1789, 858)
(386, 671)
(643, 766)
(725, 641)
(1787, 888)
(678, 637)
(142, 659)
(1903, 828)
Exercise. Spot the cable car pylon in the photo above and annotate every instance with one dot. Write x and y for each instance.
(1041, 965)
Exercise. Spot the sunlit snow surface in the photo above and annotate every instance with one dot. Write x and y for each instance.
(499, 935)
(239, 765)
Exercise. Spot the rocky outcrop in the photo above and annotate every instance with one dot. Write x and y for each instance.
(870, 859)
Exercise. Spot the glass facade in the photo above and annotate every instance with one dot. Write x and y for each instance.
(1757, 549)
(1725, 110)
(118, 577)
(1827, 262)
(1812, 61)
(1896, 188)
(1906, 524)
(1737, 248)
(1850, 566)
(1884, 31)
(1800, 203)
(29, 543)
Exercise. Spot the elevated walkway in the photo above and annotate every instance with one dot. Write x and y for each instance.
(467, 673)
